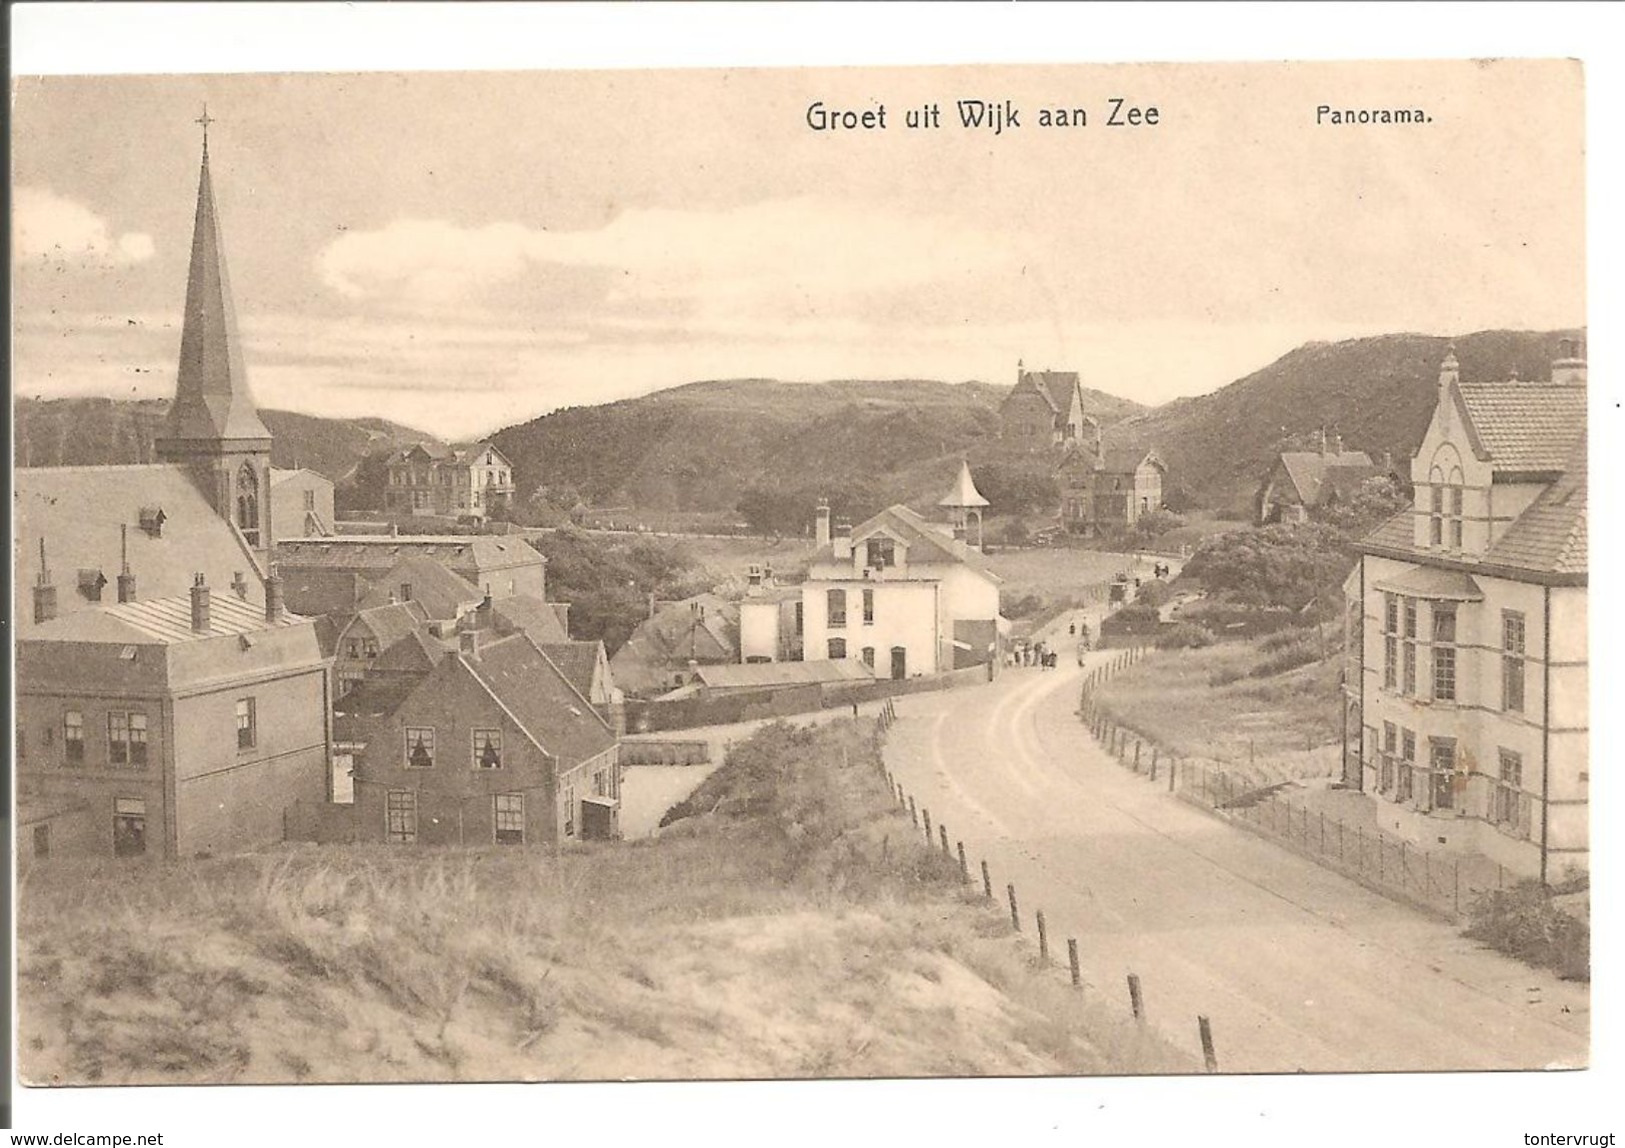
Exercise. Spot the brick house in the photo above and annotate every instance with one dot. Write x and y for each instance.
(169, 726)
(471, 480)
(493, 745)
(1300, 481)
(1110, 490)
(1045, 410)
(1467, 706)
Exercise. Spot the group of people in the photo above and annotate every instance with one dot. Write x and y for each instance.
(1032, 654)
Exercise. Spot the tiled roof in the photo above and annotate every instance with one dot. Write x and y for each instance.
(160, 621)
(541, 699)
(1307, 469)
(577, 661)
(443, 595)
(1551, 534)
(78, 511)
(531, 614)
(1526, 426)
(389, 624)
(1059, 386)
(370, 553)
(925, 542)
(1128, 460)
(1031, 382)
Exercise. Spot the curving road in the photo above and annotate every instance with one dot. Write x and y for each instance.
(1298, 968)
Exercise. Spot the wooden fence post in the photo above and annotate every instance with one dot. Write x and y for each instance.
(964, 865)
(943, 829)
(1015, 914)
(1208, 1057)
(913, 814)
(1136, 1003)
(987, 882)
(1136, 755)
(1155, 753)
(925, 815)
(1043, 938)
(1173, 770)
(1072, 959)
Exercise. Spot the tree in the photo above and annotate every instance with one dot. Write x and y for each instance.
(1285, 566)
(1372, 503)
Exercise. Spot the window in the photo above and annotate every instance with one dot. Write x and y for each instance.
(1444, 651)
(354, 647)
(1408, 661)
(569, 811)
(248, 504)
(1455, 518)
(1436, 518)
(837, 649)
(127, 739)
(246, 724)
(1512, 650)
(401, 817)
(869, 656)
(349, 680)
(508, 815)
(868, 607)
(1390, 641)
(487, 749)
(419, 747)
(799, 613)
(73, 737)
(1442, 763)
(1406, 782)
(837, 607)
(1510, 804)
(1390, 746)
(882, 552)
(406, 592)
(129, 826)
(369, 647)
(310, 500)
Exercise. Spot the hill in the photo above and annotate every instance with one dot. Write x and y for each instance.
(799, 927)
(701, 447)
(1377, 392)
(98, 432)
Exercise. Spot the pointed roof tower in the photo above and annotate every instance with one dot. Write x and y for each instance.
(212, 400)
(963, 495)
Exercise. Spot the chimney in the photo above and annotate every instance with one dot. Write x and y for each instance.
(842, 541)
(821, 530)
(483, 614)
(468, 644)
(273, 596)
(44, 592)
(200, 605)
(1570, 367)
(126, 580)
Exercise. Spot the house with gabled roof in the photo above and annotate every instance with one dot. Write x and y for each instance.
(658, 655)
(1045, 409)
(468, 480)
(1299, 482)
(1105, 490)
(1467, 696)
(333, 574)
(493, 745)
(301, 503)
(442, 595)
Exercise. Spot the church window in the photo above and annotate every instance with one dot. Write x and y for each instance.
(248, 504)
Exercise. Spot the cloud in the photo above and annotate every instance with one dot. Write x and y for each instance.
(48, 228)
(787, 257)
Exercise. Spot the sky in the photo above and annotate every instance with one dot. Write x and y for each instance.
(461, 251)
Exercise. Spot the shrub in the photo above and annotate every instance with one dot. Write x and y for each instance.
(1281, 639)
(1153, 593)
(1523, 922)
(1185, 636)
(1224, 675)
(1288, 658)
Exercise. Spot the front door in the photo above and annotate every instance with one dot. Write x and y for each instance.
(899, 662)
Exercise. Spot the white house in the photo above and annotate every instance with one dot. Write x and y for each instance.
(1467, 702)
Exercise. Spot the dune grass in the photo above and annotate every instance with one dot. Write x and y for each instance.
(793, 927)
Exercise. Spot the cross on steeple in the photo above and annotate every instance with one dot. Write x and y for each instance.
(205, 119)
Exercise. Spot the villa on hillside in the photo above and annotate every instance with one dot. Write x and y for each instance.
(1045, 410)
(1466, 691)
(1108, 490)
(468, 481)
(1301, 481)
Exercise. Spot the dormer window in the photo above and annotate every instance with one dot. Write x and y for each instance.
(882, 553)
(152, 520)
(91, 583)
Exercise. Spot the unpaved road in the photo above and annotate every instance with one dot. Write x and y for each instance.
(1297, 967)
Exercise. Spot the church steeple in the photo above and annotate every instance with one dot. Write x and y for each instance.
(213, 428)
(212, 399)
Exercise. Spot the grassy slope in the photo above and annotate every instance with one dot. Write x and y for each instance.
(1269, 721)
(800, 930)
(95, 432)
